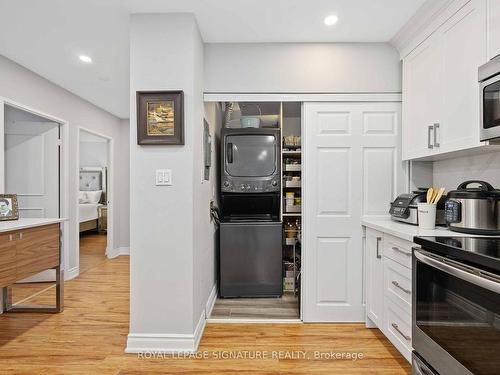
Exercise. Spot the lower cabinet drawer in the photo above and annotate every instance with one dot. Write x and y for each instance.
(397, 328)
(398, 250)
(397, 284)
(37, 249)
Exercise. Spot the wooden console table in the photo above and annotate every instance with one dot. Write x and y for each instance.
(28, 247)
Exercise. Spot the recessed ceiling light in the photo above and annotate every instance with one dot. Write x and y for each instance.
(331, 20)
(86, 59)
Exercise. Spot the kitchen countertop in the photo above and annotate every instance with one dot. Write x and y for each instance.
(408, 231)
(11, 225)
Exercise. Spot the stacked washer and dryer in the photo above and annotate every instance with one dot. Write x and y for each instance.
(250, 262)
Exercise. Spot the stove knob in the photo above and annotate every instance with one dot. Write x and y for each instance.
(242, 187)
(274, 183)
(226, 183)
(248, 187)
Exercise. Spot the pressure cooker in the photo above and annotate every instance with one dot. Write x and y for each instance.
(474, 208)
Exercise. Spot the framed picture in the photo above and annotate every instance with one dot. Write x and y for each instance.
(160, 117)
(8, 207)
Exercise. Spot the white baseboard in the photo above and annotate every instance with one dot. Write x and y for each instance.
(117, 252)
(166, 343)
(71, 273)
(211, 302)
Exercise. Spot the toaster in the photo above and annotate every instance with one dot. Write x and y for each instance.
(404, 207)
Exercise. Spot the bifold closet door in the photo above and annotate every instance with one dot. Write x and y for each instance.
(352, 168)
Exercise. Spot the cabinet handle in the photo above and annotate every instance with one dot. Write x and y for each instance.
(396, 284)
(400, 251)
(430, 129)
(378, 247)
(20, 235)
(396, 327)
(436, 128)
(10, 237)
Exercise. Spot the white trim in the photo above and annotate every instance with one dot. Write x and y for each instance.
(211, 302)
(72, 273)
(425, 22)
(110, 195)
(166, 343)
(303, 97)
(63, 169)
(254, 321)
(119, 251)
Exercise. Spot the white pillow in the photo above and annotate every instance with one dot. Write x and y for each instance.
(94, 196)
(82, 197)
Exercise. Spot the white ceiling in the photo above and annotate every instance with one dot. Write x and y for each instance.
(47, 36)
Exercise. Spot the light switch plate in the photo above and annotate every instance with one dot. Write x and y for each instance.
(163, 177)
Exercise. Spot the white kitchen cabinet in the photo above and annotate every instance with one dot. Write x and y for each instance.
(440, 88)
(374, 278)
(463, 46)
(388, 286)
(493, 28)
(422, 98)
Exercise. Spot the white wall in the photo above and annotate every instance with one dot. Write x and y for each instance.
(32, 164)
(27, 88)
(94, 150)
(94, 154)
(207, 234)
(301, 67)
(451, 172)
(166, 306)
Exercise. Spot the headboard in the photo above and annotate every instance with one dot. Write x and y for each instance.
(92, 179)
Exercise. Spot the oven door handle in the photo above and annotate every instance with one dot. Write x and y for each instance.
(229, 150)
(473, 278)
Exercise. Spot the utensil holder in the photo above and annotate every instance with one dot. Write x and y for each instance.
(426, 215)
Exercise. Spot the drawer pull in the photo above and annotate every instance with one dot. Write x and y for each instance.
(396, 284)
(396, 327)
(10, 237)
(400, 251)
(378, 247)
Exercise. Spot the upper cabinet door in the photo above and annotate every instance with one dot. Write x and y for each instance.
(463, 51)
(493, 28)
(422, 98)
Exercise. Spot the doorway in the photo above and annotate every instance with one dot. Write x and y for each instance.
(94, 198)
(234, 302)
(32, 170)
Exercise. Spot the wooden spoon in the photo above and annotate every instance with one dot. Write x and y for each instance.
(438, 195)
(430, 193)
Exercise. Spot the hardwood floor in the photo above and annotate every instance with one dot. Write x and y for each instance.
(286, 307)
(90, 335)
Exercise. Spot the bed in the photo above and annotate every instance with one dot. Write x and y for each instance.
(92, 181)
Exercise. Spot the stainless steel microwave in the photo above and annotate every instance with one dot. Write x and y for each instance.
(250, 160)
(489, 84)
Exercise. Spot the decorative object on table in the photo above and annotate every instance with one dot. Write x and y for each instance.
(207, 150)
(160, 117)
(8, 207)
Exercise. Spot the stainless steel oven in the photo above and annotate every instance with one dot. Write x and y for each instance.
(250, 160)
(456, 306)
(489, 83)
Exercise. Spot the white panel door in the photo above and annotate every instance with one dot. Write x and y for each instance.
(352, 168)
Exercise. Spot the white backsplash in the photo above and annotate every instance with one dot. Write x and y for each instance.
(451, 172)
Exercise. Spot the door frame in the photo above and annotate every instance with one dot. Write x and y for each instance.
(63, 170)
(110, 194)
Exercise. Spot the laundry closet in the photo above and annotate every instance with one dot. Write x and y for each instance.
(260, 210)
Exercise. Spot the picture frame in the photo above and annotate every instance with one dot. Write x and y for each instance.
(9, 209)
(160, 117)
